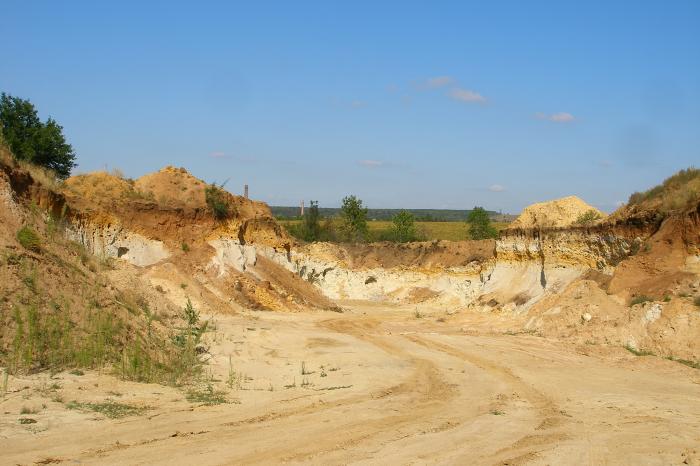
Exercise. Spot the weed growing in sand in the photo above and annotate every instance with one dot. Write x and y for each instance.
(497, 412)
(27, 410)
(696, 301)
(108, 408)
(638, 352)
(215, 197)
(641, 299)
(207, 396)
(304, 371)
(418, 314)
(29, 239)
(667, 298)
(185, 247)
(77, 372)
(27, 420)
(293, 384)
(5, 376)
(234, 379)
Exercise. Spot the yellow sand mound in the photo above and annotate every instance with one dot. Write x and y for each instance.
(562, 212)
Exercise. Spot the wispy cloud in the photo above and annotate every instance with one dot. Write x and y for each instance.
(497, 188)
(439, 81)
(561, 117)
(465, 95)
(217, 155)
(370, 163)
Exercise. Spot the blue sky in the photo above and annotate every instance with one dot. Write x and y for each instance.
(405, 104)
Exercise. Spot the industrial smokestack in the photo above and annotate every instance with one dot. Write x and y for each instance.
(245, 191)
(302, 208)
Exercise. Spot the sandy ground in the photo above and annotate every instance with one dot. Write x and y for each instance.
(380, 386)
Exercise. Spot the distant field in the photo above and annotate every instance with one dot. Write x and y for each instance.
(453, 231)
(426, 215)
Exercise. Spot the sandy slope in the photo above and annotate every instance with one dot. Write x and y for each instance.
(396, 390)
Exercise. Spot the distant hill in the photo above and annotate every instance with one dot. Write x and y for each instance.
(429, 215)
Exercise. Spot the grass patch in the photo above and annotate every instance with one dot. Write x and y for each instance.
(27, 420)
(638, 352)
(108, 408)
(426, 231)
(696, 301)
(29, 239)
(497, 412)
(641, 299)
(685, 362)
(27, 410)
(207, 396)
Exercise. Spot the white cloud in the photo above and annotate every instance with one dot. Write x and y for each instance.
(370, 163)
(465, 95)
(217, 155)
(561, 117)
(497, 188)
(439, 81)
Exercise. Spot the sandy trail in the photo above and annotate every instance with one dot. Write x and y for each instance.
(381, 387)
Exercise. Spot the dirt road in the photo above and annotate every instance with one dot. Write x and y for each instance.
(372, 386)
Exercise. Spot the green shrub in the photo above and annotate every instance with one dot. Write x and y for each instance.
(697, 301)
(215, 197)
(640, 300)
(29, 239)
(587, 218)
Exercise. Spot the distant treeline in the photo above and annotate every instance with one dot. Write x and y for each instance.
(421, 215)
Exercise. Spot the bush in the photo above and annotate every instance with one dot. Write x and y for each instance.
(29, 239)
(587, 218)
(215, 197)
(31, 140)
(640, 300)
(480, 224)
(697, 301)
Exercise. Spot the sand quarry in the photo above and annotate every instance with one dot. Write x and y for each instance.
(530, 349)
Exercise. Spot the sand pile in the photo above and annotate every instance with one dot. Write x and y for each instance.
(562, 212)
(101, 188)
(174, 187)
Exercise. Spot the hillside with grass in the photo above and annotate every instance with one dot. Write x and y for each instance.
(63, 307)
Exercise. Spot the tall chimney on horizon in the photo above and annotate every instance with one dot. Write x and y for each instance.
(302, 208)
(245, 191)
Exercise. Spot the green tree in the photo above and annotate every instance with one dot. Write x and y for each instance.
(311, 226)
(353, 219)
(403, 229)
(480, 224)
(31, 140)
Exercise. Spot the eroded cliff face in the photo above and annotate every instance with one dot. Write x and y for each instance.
(514, 271)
